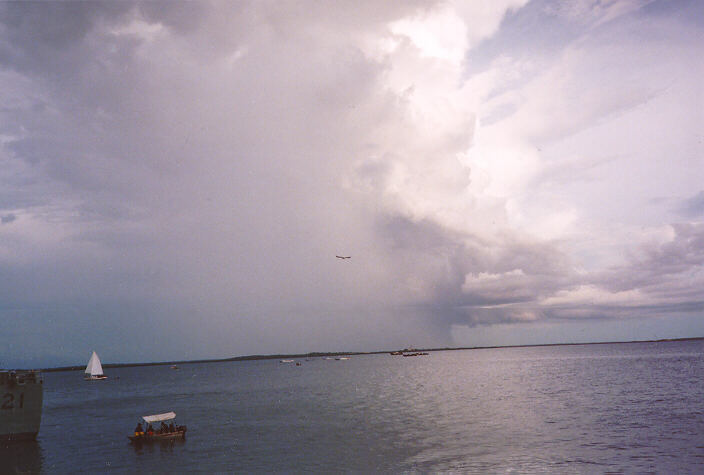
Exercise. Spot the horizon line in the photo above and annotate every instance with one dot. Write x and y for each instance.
(351, 353)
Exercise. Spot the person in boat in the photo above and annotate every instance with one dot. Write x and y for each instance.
(150, 429)
(171, 427)
(138, 431)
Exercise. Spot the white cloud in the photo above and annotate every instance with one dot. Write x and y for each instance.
(440, 34)
(139, 28)
(487, 277)
(592, 295)
(216, 157)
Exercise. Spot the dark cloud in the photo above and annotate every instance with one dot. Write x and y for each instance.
(523, 282)
(185, 19)
(463, 279)
(660, 279)
(196, 166)
(48, 37)
(655, 262)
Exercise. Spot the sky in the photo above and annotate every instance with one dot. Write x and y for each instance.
(176, 178)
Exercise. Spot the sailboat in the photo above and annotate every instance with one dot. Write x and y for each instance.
(94, 370)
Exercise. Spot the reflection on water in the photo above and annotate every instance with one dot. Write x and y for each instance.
(160, 447)
(21, 457)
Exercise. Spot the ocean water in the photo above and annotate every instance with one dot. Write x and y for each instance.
(563, 409)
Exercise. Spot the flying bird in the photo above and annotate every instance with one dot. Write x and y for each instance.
(344, 257)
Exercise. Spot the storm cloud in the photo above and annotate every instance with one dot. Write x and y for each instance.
(177, 177)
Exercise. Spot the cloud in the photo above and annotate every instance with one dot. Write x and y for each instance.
(680, 256)
(591, 295)
(212, 158)
(659, 277)
(596, 12)
(694, 206)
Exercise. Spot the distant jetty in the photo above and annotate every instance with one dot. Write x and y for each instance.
(353, 353)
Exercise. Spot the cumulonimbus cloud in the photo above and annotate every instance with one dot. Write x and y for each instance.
(212, 158)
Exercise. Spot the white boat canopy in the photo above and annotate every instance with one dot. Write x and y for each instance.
(167, 416)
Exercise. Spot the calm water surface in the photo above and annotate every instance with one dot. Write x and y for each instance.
(564, 409)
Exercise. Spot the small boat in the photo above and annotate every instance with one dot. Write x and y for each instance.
(174, 367)
(94, 370)
(286, 361)
(342, 358)
(164, 433)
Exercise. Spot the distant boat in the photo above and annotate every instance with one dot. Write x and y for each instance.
(286, 361)
(94, 370)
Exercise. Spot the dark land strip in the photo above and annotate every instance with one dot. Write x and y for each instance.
(350, 353)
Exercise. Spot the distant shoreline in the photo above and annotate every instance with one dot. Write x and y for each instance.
(350, 353)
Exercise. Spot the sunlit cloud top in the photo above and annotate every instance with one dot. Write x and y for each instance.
(178, 177)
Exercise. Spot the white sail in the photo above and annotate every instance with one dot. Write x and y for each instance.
(94, 367)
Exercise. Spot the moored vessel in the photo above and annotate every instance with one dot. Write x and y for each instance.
(21, 397)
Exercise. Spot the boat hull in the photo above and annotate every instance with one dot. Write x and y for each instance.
(142, 439)
(95, 378)
(21, 399)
